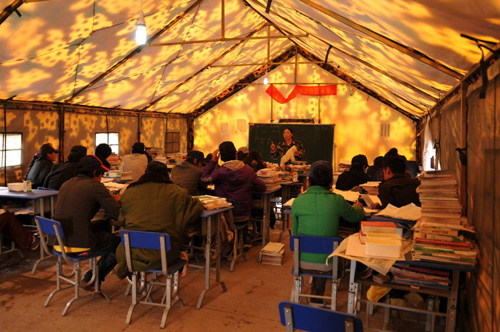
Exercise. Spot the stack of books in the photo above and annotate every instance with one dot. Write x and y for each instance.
(371, 187)
(273, 253)
(270, 178)
(213, 202)
(344, 165)
(417, 276)
(442, 234)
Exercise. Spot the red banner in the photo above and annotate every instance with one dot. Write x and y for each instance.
(322, 90)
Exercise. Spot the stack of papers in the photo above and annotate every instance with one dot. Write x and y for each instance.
(407, 212)
(213, 202)
(273, 253)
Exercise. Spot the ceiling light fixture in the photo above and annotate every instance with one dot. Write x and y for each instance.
(141, 34)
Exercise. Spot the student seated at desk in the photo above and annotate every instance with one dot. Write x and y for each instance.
(136, 162)
(188, 174)
(41, 164)
(61, 173)
(398, 188)
(316, 213)
(155, 204)
(233, 180)
(355, 176)
(78, 201)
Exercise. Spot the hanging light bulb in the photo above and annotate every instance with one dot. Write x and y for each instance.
(266, 80)
(141, 34)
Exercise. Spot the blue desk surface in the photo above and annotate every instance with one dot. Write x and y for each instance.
(35, 194)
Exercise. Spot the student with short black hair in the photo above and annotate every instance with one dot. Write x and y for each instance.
(234, 180)
(136, 162)
(316, 213)
(103, 151)
(41, 165)
(61, 173)
(398, 188)
(78, 201)
(355, 176)
(188, 174)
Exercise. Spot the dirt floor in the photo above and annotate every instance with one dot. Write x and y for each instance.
(251, 302)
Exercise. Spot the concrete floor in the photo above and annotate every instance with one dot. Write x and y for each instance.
(251, 302)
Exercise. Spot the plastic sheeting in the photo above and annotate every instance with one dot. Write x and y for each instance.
(483, 193)
(56, 49)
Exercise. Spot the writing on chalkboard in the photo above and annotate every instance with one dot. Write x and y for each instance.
(318, 140)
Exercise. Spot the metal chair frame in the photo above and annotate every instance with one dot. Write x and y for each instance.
(156, 241)
(307, 318)
(52, 227)
(318, 245)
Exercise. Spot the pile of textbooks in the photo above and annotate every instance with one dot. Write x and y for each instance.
(270, 178)
(422, 277)
(443, 234)
(213, 202)
(273, 253)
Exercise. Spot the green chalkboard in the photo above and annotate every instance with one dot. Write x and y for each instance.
(317, 139)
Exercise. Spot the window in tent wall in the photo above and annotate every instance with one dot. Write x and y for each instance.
(11, 149)
(173, 142)
(112, 139)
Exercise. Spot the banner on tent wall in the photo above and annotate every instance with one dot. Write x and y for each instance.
(323, 90)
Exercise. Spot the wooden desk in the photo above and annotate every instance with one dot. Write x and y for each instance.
(34, 195)
(355, 285)
(206, 218)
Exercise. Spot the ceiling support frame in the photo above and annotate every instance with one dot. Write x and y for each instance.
(12, 8)
(387, 41)
(134, 52)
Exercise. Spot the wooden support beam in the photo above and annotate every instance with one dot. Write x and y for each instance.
(134, 52)
(12, 8)
(229, 50)
(463, 144)
(215, 40)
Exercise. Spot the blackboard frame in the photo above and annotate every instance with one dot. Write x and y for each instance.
(318, 139)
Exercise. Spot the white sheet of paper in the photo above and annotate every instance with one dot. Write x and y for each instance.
(351, 196)
(407, 212)
(289, 155)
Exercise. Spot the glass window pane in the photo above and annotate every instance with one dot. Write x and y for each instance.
(1, 140)
(13, 158)
(101, 138)
(13, 141)
(114, 148)
(113, 138)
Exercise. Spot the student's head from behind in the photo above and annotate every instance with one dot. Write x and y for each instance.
(242, 153)
(288, 134)
(394, 165)
(391, 152)
(227, 151)
(195, 157)
(157, 169)
(321, 174)
(378, 161)
(91, 166)
(139, 147)
(48, 151)
(77, 153)
(359, 162)
(103, 151)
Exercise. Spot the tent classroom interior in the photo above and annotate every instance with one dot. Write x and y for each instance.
(420, 76)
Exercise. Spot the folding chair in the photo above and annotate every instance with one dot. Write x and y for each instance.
(306, 318)
(239, 225)
(68, 255)
(318, 245)
(155, 241)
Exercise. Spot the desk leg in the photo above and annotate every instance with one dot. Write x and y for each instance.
(266, 217)
(41, 208)
(208, 254)
(351, 304)
(451, 313)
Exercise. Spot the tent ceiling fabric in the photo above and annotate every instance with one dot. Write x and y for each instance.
(84, 51)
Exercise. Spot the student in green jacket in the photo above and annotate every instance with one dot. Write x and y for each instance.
(317, 213)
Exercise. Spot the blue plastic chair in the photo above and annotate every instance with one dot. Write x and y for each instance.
(307, 318)
(318, 245)
(155, 241)
(51, 227)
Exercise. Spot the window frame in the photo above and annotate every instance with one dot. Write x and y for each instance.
(172, 142)
(107, 140)
(2, 151)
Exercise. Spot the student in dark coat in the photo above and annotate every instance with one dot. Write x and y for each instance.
(78, 201)
(355, 176)
(103, 151)
(375, 170)
(61, 173)
(41, 165)
(188, 174)
(398, 188)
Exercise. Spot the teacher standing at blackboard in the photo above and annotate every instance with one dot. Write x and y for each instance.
(282, 148)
